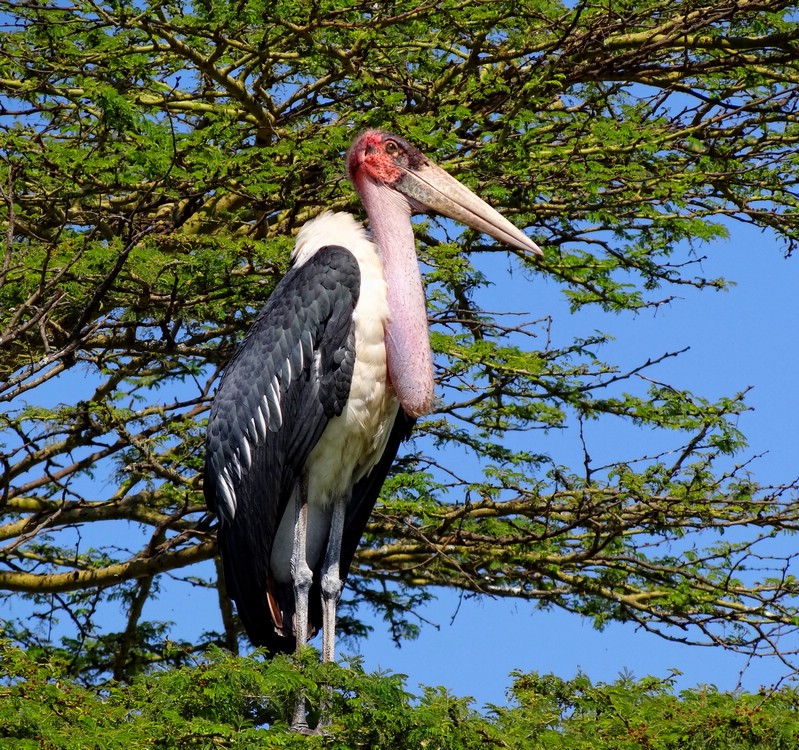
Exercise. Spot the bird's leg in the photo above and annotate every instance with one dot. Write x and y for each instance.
(331, 580)
(302, 577)
(331, 591)
(301, 573)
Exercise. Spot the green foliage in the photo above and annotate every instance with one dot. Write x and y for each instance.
(231, 702)
(155, 161)
(647, 714)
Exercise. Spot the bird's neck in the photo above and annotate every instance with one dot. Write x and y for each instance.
(409, 357)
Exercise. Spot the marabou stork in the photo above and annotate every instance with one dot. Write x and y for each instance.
(329, 380)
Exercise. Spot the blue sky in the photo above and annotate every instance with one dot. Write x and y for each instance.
(737, 338)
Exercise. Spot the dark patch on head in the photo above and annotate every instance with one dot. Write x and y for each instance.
(415, 158)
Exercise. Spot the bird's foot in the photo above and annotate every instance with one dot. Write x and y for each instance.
(322, 729)
(300, 724)
(303, 728)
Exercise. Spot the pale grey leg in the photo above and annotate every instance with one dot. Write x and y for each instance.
(331, 581)
(302, 576)
(331, 592)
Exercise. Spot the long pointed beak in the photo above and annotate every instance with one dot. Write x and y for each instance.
(432, 187)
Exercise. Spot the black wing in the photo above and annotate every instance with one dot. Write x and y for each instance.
(291, 374)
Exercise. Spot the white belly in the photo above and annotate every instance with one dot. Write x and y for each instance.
(353, 442)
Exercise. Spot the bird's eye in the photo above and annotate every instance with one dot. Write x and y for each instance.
(392, 148)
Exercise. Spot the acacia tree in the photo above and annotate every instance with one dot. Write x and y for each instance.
(156, 160)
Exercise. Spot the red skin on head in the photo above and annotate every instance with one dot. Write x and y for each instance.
(368, 157)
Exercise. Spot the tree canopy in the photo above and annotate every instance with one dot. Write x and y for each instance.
(234, 702)
(156, 159)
